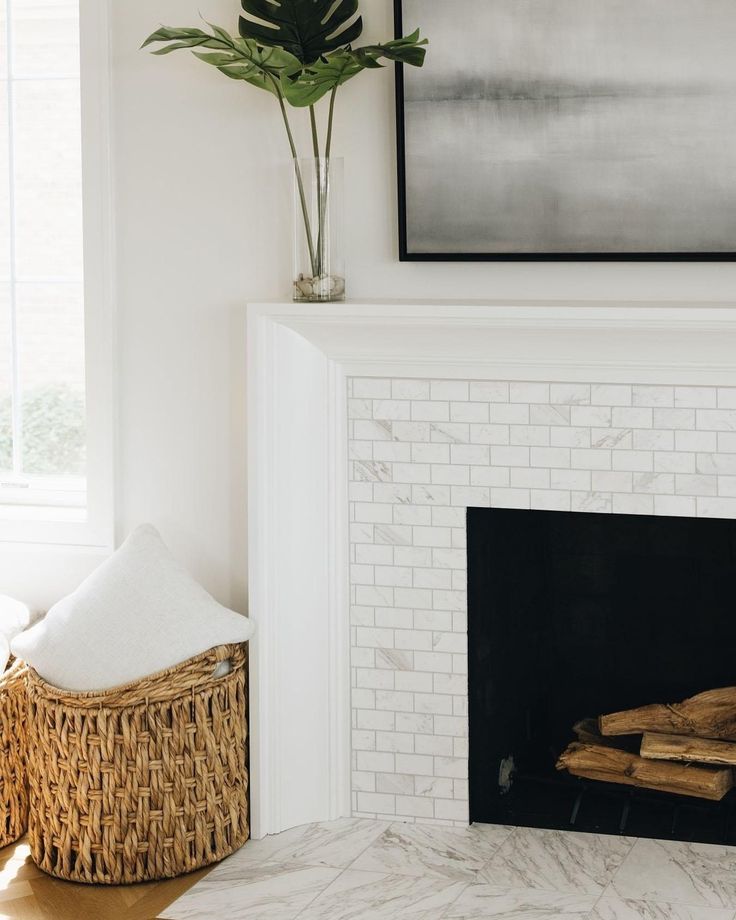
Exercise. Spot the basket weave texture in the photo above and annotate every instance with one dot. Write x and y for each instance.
(143, 782)
(13, 783)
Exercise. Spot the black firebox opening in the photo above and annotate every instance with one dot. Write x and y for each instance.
(572, 615)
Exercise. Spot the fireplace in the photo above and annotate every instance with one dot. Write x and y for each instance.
(574, 615)
(372, 429)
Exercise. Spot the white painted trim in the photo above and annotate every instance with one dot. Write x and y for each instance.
(339, 602)
(99, 262)
(96, 532)
(298, 361)
(300, 680)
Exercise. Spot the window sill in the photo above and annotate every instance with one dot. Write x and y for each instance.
(69, 528)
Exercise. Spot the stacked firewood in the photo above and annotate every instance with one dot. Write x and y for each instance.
(687, 748)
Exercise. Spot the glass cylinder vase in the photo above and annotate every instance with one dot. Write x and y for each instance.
(319, 262)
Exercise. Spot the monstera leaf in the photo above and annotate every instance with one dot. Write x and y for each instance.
(308, 29)
(309, 85)
(237, 58)
(408, 50)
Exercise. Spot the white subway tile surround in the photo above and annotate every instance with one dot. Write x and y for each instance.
(421, 452)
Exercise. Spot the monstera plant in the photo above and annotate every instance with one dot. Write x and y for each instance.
(300, 51)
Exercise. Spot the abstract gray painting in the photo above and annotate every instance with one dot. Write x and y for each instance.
(545, 127)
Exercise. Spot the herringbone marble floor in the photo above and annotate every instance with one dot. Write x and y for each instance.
(368, 870)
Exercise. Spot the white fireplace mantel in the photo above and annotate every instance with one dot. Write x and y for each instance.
(299, 357)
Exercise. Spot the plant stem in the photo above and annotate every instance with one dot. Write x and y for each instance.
(328, 146)
(320, 201)
(315, 136)
(325, 191)
(299, 182)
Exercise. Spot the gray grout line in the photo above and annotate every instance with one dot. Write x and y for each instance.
(343, 871)
(320, 893)
(456, 899)
(477, 880)
(346, 868)
(373, 842)
(613, 876)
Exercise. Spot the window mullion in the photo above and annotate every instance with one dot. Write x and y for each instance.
(16, 396)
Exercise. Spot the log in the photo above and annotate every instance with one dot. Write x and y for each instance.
(708, 715)
(608, 765)
(587, 731)
(688, 749)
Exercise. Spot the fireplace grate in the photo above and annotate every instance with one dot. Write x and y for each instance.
(602, 808)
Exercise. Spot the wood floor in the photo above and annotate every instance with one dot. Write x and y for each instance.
(27, 894)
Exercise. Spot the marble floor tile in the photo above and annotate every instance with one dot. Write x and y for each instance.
(613, 908)
(426, 850)
(359, 895)
(269, 893)
(697, 874)
(334, 844)
(482, 902)
(356, 869)
(557, 861)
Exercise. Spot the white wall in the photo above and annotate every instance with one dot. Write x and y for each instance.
(203, 226)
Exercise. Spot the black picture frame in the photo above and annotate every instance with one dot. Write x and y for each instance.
(406, 256)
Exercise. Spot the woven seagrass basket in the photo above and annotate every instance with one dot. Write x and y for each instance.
(146, 781)
(13, 782)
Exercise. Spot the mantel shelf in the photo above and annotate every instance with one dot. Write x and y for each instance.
(602, 341)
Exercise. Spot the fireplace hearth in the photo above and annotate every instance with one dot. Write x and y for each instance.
(576, 615)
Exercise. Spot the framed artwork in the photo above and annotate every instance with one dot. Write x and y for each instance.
(568, 129)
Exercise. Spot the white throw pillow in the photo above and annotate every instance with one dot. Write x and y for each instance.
(14, 616)
(4, 653)
(138, 613)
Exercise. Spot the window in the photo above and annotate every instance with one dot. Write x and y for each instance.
(53, 304)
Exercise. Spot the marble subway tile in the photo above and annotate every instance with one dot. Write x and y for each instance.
(410, 389)
(656, 396)
(600, 502)
(548, 415)
(630, 417)
(696, 397)
(591, 416)
(550, 500)
(553, 457)
(716, 419)
(716, 507)
(489, 391)
(458, 390)
(633, 504)
(602, 394)
(570, 394)
(392, 409)
(371, 388)
(469, 412)
(727, 397)
(529, 392)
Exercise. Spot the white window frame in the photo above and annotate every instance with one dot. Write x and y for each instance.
(27, 525)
